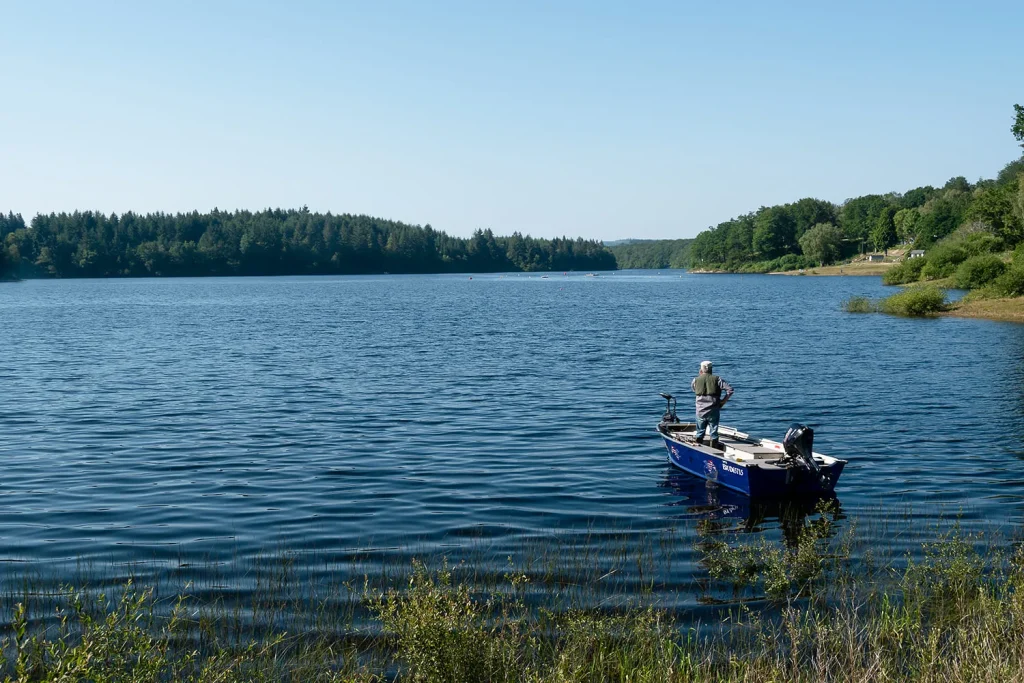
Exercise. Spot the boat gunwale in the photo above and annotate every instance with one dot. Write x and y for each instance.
(827, 461)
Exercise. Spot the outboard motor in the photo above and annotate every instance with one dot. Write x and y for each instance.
(670, 409)
(799, 445)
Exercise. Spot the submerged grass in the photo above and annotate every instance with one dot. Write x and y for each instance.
(859, 304)
(803, 610)
(917, 301)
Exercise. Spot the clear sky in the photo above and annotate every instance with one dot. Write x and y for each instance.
(601, 119)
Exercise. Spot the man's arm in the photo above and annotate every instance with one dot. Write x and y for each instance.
(724, 386)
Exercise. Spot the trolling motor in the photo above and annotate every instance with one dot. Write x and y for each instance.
(798, 444)
(670, 409)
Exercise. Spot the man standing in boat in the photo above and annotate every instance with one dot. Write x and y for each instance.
(709, 387)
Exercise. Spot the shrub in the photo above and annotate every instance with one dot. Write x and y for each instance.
(1011, 282)
(978, 271)
(783, 263)
(792, 262)
(977, 243)
(916, 301)
(441, 631)
(943, 260)
(905, 272)
(858, 304)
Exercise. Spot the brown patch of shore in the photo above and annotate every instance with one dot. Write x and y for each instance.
(1005, 310)
(858, 266)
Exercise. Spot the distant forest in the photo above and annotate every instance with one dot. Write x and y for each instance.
(271, 242)
(652, 254)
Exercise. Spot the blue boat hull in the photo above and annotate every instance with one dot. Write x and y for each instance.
(753, 480)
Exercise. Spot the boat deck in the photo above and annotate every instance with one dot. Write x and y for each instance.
(749, 450)
(738, 446)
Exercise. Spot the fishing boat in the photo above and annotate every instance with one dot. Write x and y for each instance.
(756, 467)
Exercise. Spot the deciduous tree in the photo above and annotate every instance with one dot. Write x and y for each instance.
(822, 243)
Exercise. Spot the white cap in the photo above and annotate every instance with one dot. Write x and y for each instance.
(705, 366)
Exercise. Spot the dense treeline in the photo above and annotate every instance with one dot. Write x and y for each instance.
(812, 231)
(271, 242)
(652, 254)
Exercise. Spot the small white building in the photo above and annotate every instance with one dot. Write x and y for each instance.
(916, 253)
(876, 257)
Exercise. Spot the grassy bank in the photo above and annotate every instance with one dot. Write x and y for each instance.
(803, 611)
(799, 266)
(1000, 309)
(968, 259)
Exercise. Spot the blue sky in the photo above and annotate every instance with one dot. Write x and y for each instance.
(607, 120)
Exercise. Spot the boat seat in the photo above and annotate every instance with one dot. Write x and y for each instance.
(751, 450)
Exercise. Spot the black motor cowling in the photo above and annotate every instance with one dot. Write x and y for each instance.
(799, 442)
(799, 445)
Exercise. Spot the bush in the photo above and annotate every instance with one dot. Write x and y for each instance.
(1011, 282)
(978, 271)
(905, 272)
(943, 260)
(977, 243)
(858, 304)
(793, 262)
(781, 264)
(916, 301)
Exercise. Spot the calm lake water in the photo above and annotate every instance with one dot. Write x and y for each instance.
(157, 427)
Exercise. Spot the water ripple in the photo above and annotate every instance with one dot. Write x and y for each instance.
(202, 423)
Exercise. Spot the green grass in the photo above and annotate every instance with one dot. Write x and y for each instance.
(804, 610)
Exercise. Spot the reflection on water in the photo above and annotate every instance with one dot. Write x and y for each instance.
(723, 509)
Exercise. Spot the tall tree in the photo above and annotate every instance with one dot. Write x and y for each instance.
(1018, 124)
(993, 208)
(905, 221)
(809, 212)
(859, 216)
(773, 232)
(822, 243)
(883, 235)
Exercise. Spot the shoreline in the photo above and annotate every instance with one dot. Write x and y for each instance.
(1007, 310)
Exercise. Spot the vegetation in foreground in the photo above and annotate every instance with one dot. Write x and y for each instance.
(807, 613)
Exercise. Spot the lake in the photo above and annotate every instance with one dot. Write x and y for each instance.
(168, 427)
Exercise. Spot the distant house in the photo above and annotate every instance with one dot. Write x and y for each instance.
(876, 257)
(916, 253)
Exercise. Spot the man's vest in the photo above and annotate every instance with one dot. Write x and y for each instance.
(707, 385)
